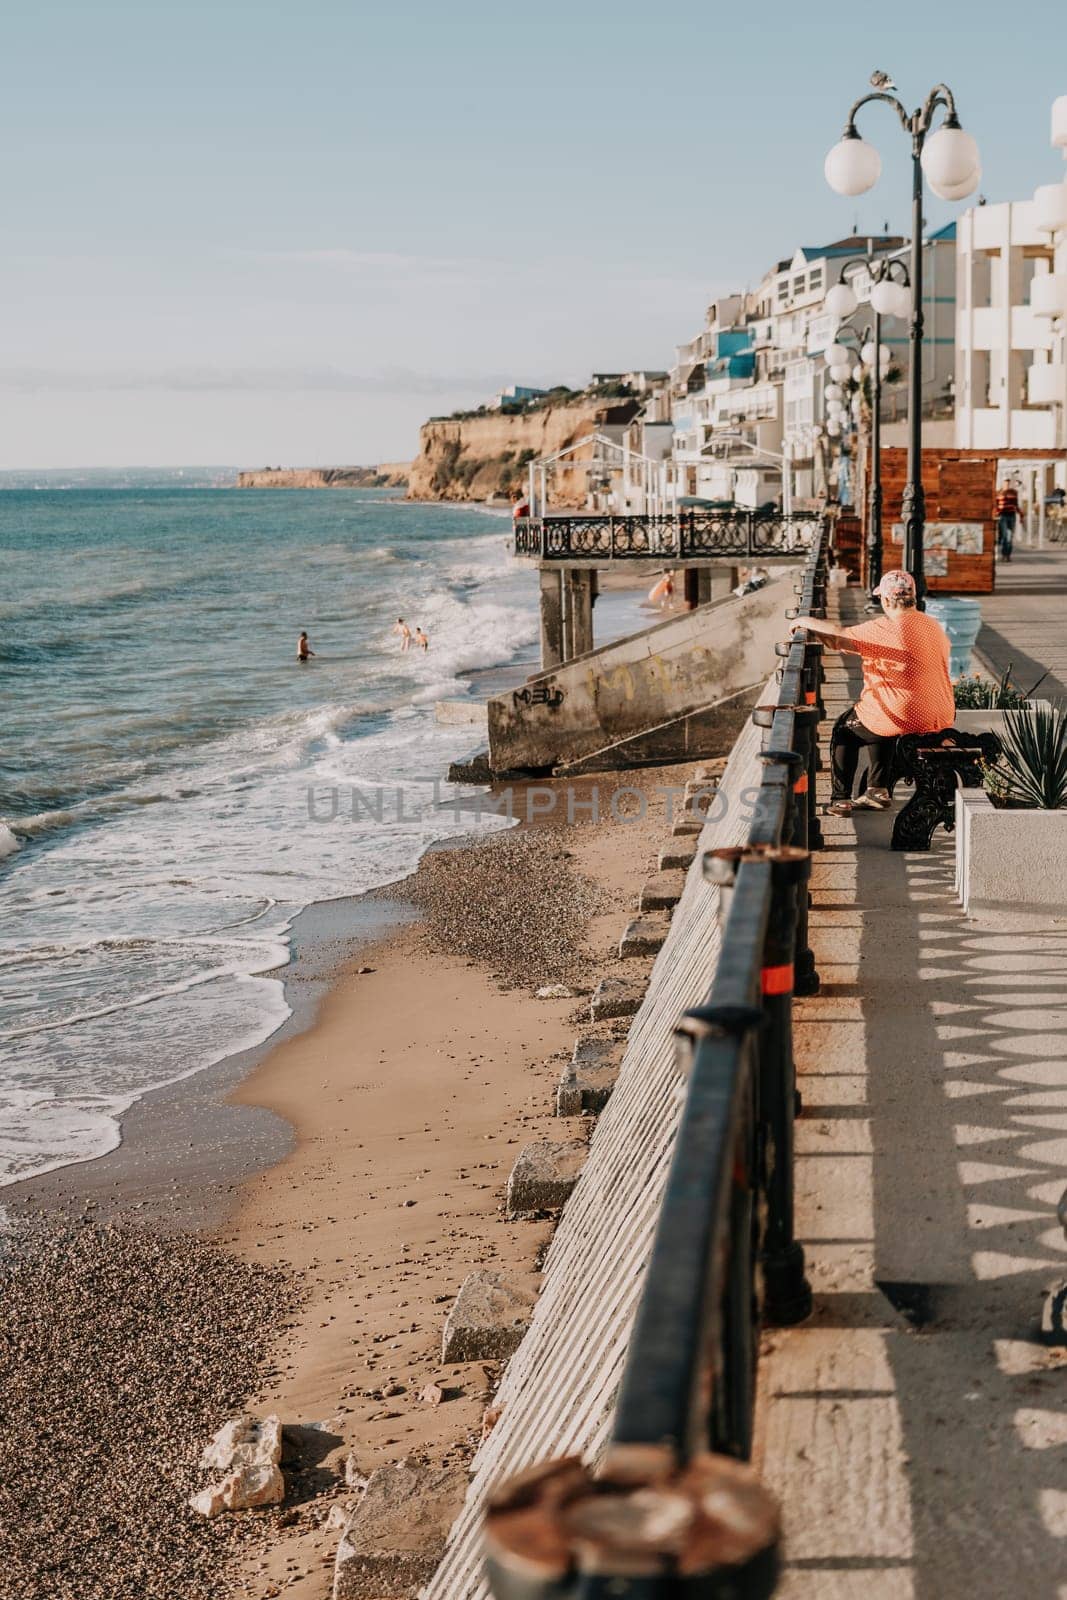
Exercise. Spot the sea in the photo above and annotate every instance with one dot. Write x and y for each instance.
(175, 787)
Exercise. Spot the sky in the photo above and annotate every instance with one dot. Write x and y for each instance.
(279, 233)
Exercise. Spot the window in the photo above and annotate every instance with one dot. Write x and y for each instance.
(798, 284)
(815, 277)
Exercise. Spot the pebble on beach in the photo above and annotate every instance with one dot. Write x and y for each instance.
(122, 1349)
(513, 903)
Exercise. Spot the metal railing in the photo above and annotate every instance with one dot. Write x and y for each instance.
(679, 536)
(674, 1511)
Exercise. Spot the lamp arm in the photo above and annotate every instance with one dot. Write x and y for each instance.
(878, 94)
(940, 95)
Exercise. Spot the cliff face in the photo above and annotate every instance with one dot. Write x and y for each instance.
(387, 475)
(479, 458)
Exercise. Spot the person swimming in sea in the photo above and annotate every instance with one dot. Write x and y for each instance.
(304, 651)
(404, 631)
(421, 639)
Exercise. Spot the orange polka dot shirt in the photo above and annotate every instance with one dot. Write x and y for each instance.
(906, 683)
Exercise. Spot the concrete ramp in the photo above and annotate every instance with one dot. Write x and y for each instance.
(648, 683)
(686, 738)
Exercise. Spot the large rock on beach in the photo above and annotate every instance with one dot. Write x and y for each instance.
(397, 1536)
(244, 1442)
(248, 1451)
(261, 1485)
(490, 1315)
(616, 997)
(543, 1176)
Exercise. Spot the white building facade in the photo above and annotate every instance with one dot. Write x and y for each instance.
(747, 393)
(1011, 371)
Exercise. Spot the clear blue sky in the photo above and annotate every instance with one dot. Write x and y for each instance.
(256, 233)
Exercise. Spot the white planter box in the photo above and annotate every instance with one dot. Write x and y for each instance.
(1009, 861)
(989, 721)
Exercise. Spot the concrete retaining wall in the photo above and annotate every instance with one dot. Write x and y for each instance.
(673, 668)
(560, 1386)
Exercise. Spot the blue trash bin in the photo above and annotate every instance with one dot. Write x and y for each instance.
(961, 620)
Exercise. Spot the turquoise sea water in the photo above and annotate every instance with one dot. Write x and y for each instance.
(159, 743)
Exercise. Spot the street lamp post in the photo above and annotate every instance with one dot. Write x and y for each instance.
(949, 159)
(889, 296)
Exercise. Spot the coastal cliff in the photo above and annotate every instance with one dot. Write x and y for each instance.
(387, 475)
(484, 456)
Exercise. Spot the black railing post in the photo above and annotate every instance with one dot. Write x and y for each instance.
(787, 1292)
(813, 680)
(804, 817)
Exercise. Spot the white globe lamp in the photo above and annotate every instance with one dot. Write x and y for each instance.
(840, 301)
(883, 298)
(833, 391)
(833, 428)
(841, 372)
(957, 191)
(950, 158)
(836, 355)
(902, 300)
(853, 166)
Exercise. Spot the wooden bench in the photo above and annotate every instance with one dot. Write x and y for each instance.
(937, 764)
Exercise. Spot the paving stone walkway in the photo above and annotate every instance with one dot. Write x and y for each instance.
(916, 1429)
(1024, 624)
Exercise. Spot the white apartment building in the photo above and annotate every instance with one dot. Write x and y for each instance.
(748, 389)
(1011, 371)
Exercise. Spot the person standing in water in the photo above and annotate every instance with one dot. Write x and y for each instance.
(303, 649)
(404, 631)
(421, 639)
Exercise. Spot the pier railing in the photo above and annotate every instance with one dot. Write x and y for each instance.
(679, 536)
(674, 1511)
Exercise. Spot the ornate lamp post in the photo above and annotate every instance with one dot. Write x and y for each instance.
(889, 296)
(949, 159)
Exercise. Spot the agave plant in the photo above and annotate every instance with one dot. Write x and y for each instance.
(1032, 770)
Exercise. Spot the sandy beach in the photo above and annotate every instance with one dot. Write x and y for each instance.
(410, 1097)
(353, 1179)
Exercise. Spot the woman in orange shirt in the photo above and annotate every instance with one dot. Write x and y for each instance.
(906, 689)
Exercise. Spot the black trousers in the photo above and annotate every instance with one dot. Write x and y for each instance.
(847, 740)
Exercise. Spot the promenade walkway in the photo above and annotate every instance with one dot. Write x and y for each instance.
(1024, 624)
(915, 1429)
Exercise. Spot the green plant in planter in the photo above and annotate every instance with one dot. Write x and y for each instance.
(973, 693)
(1032, 770)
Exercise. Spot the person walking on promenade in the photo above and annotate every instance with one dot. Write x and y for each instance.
(401, 627)
(906, 689)
(1007, 515)
(304, 651)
